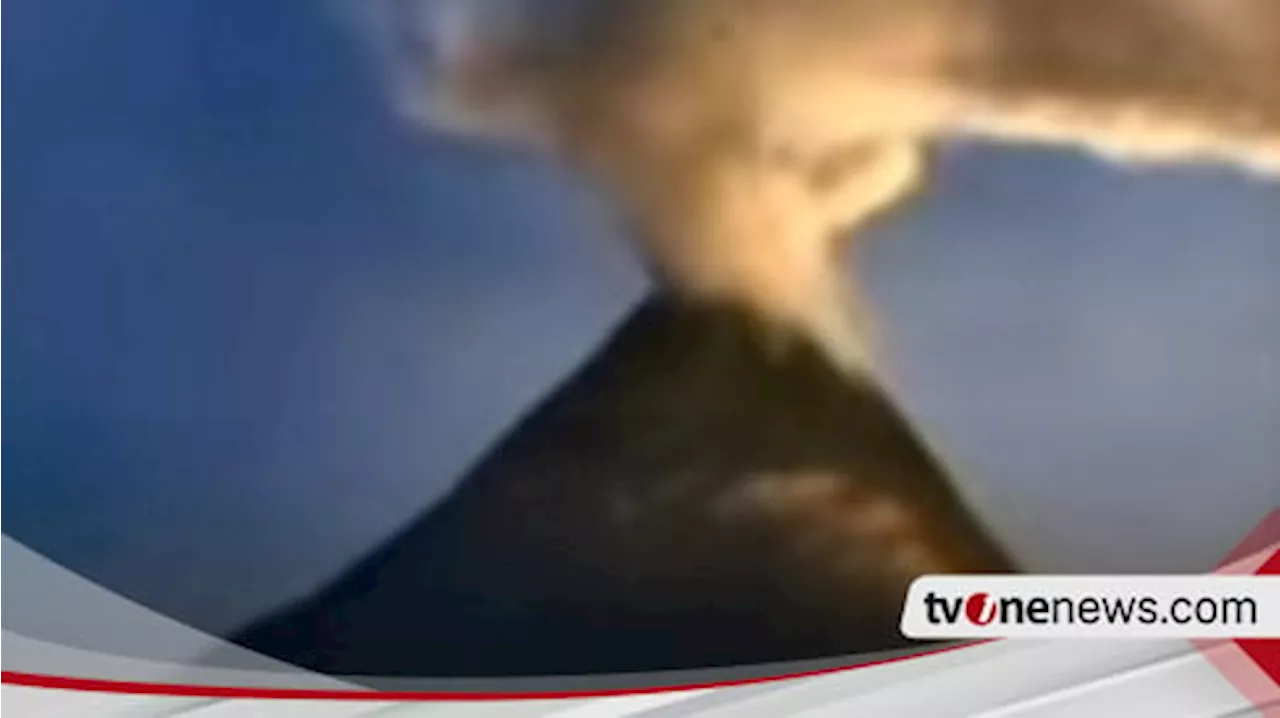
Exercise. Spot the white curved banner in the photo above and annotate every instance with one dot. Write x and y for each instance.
(1169, 677)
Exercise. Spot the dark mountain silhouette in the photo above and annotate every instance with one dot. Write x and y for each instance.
(693, 496)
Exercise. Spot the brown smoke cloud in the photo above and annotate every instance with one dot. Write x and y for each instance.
(744, 139)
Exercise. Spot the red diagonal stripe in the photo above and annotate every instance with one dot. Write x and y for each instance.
(1266, 651)
(1254, 662)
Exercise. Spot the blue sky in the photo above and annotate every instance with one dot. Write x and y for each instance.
(253, 324)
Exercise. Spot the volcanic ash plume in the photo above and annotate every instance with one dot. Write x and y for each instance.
(744, 138)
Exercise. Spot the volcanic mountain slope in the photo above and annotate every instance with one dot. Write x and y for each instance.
(693, 496)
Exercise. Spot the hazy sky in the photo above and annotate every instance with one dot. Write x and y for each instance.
(253, 325)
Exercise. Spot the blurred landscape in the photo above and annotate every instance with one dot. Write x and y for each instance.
(255, 323)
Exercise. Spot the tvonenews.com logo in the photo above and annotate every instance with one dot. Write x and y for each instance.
(982, 609)
(1092, 606)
